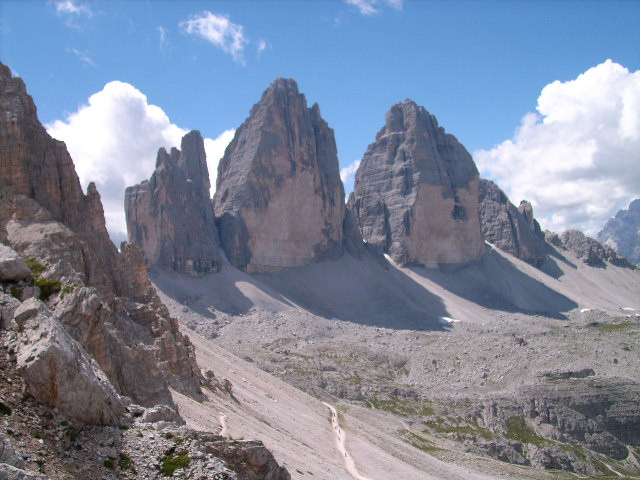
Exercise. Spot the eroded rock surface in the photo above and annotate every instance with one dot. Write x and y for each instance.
(59, 372)
(622, 232)
(590, 251)
(416, 192)
(511, 229)
(170, 216)
(279, 200)
(103, 297)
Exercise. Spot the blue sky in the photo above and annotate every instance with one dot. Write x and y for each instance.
(479, 66)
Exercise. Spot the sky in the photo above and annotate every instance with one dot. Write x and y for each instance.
(544, 94)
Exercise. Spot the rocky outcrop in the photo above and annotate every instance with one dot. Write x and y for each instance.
(57, 370)
(592, 252)
(104, 301)
(170, 216)
(511, 229)
(279, 201)
(622, 233)
(250, 459)
(416, 192)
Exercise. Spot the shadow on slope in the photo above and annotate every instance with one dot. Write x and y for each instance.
(551, 266)
(230, 291)
(360, 291)
(496, 283)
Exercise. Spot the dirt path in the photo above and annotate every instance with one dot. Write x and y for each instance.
(341, 443)
(223, 425)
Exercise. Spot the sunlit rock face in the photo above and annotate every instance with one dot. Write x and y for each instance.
(279, 200)
(416, 192)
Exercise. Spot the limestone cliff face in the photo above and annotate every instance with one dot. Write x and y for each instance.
(511, 229)
(622, 232)
(279, 200)
(416, 192)
(106, 304)
(170, 216)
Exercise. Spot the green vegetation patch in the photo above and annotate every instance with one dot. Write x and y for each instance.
(458, 425)
(518, 430)
(47, 286)
(418, 441)
(175, 462)
(67, 290)
(400, 406)
(35, 266)
(125, 462)
(616, 327)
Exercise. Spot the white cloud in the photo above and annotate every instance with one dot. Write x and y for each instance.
(371, 7)
(113, 141)
(219, 31)
(215, 150)
(261, 46)
(72, 7)
(578, 159)
(83, 56)
(347, 175)
(163, 35)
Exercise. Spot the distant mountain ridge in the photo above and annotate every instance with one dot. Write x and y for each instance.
(622, 232)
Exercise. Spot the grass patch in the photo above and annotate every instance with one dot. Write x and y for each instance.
(47, 286)
(518, 430)
(35, 266)
(174, 462)
(67, 290)
(418, 441)
(125, 462)
(616, 327)
(457, 425)
(400, 406)
(108, 463)
(5, 409)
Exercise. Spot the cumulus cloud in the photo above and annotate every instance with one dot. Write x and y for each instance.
(347, 175)
(371, 7)
(218, 30)
(114, 139)
(578, 159)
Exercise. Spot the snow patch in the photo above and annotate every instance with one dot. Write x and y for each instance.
(585, 310)
(447, 320)
(628, 308)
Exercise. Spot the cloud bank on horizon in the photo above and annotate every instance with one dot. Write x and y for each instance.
(578, 159)
(113, 141)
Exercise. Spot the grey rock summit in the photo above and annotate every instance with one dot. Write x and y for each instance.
(279, 200)
(416, 192)
(170, 216)
(511, 229)
(622, 232)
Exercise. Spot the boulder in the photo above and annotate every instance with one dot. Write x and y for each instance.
(279, 200)
(58, 372)
(12, 267)
(416, 192)
(170, 216)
